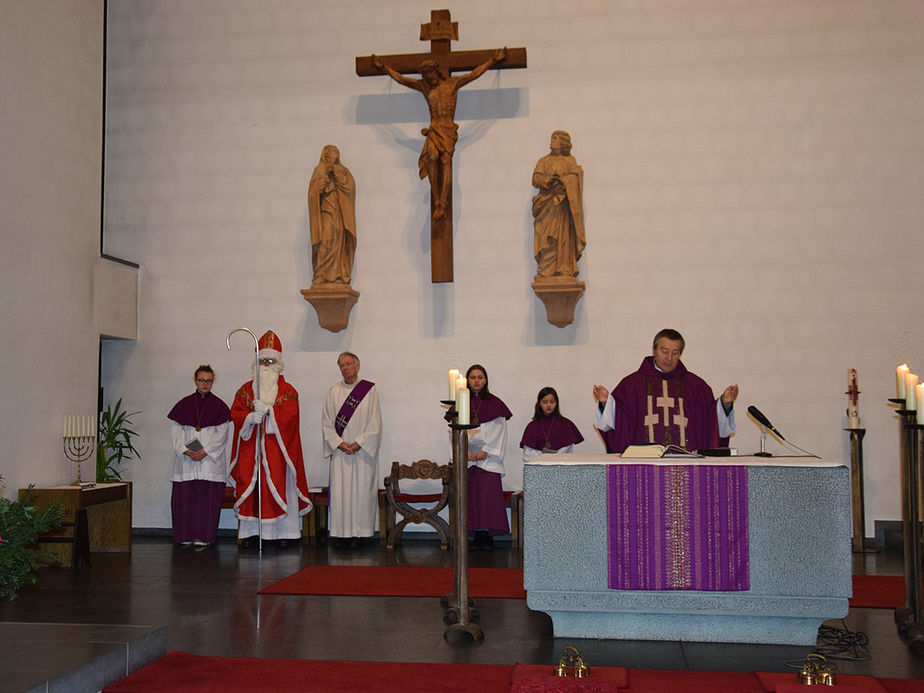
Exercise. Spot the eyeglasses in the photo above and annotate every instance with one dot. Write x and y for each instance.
(203, 380)
(268, 362)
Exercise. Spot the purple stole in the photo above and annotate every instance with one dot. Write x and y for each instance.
(677, 527)
(348, 408)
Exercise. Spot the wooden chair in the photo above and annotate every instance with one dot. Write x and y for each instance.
(398, 502)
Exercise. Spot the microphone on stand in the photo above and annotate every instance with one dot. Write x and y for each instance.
(765, 425)
(763, 420)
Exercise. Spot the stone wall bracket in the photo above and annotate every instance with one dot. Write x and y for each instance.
(333, 303)
(560, 296)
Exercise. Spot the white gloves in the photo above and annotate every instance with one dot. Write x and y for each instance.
(259, 410)
(255, 418)
(252, 419)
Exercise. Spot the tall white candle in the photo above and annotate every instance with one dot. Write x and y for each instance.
(453, 377)
(910, 381)
(67, 425)
(919, 397)
(853, 399)
(900, 380)
(461, 382)
(462, 406)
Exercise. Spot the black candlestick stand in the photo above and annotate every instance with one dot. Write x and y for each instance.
(460, 613)
(910, 618)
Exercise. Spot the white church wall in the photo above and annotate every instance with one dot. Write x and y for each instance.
(51, 75)
(750, 179)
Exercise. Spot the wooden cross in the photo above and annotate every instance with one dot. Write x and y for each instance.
(441, 99)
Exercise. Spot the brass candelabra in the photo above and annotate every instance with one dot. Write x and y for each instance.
(79, 440)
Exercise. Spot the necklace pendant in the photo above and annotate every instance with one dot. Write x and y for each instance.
(198, 428)
(547, 447)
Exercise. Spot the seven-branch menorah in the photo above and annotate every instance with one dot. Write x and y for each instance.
(79, 439)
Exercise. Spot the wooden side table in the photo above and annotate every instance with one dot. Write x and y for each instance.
(99, 518)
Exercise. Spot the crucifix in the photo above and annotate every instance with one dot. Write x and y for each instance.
(440, 90)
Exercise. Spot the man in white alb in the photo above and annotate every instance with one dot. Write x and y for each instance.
(351, 425)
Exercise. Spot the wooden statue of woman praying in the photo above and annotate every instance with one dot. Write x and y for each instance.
(332, 218)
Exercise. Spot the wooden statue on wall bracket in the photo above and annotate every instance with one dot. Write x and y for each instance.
(440, 90)
(559, 238)
(332, 219)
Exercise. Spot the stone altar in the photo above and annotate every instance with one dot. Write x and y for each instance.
(799, 530)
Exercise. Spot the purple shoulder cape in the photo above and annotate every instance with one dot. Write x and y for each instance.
(558, 432)
(488, 409)
(200, 411)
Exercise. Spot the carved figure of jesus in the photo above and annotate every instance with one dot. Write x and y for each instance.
(441, 92)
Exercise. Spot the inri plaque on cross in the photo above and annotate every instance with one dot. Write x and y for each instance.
(440, 89)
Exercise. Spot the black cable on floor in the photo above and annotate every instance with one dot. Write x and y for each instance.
(838, 643)
(842, 643)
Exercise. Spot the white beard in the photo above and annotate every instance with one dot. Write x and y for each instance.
(269, 384)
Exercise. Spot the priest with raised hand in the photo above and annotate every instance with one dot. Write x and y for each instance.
(351, 426)
(272, 423)
(663, 403)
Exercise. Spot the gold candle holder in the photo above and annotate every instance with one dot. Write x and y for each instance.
(78, 441)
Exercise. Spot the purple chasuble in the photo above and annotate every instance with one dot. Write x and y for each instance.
(677, 527)
(200, 411)
(348, 408)
(550, 433)
(675, 408)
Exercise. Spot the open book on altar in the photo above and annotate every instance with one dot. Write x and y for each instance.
(655, 450)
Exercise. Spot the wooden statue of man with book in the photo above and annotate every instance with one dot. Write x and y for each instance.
(665, 404)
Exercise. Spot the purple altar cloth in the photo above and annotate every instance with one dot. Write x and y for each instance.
(677, 527)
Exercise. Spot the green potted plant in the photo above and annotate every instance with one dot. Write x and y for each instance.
(20, 525)
(114, 442)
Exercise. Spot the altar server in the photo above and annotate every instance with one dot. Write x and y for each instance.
(200, 425)
(549, 431)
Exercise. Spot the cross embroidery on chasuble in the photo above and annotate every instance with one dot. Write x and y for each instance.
(661, 406)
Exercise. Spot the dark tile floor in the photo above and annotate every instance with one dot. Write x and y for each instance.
(208, 600)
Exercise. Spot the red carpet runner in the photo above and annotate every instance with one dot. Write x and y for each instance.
(392, 581)
(179, 672)
(878, 591)
(870, 591)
